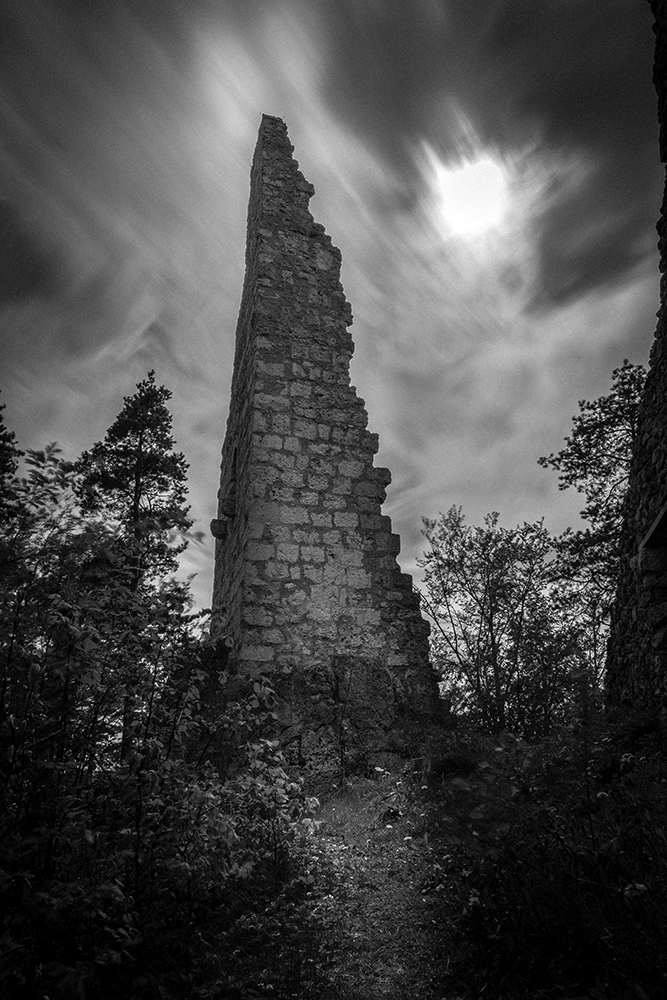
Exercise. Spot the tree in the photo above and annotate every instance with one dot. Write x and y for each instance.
(9, 460)
(596, 462)
(138, 482)
(506, 654)
(109, 862)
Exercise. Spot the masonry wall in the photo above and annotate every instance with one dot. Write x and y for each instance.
(307, 585)
(637, 661)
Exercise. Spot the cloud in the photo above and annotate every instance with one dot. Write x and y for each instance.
(27, 267)
(570, 79)
(130, 129)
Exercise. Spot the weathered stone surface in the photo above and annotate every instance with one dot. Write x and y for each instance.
(637, 661)
(307, 548)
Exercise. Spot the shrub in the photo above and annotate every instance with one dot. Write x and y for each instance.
(571, 900)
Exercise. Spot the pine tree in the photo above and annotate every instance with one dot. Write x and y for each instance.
(137, 481)
(9, 460)
(595, 461)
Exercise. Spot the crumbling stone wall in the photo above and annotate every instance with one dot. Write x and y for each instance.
(637, 662)
(307, 585)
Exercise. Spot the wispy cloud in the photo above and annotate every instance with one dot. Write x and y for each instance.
(129, 134)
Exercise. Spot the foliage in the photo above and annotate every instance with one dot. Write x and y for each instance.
(569, 902)
(596, 458)
(506, 653)
(9, 460)
(164, 865)
(595, 461)
(137, 481)
(154, 845)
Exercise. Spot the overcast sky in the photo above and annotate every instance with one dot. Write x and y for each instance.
(489, 169)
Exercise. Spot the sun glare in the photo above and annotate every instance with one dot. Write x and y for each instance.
(471, 196)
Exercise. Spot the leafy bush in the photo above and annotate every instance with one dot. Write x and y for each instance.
(571, 900)
(152, 843)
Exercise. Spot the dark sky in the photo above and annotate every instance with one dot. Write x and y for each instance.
(128, 130)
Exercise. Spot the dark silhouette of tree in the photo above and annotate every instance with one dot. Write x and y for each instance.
(9, 460)
(136, 480)
(136, 483)
(123, 838)
(595, 461)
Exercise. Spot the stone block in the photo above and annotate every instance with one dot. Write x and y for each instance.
(255, 529)
(265, 474)
(350, 469)
(369, 488)
(270, 368)
(294, 515)
(275, 570)
(321, 354)
(398, 660)
(305, 429)
(282, 495)
(371, 441)
(346, 519)
(342, 487)
(303, 409)
(261, 654)
(257, 615)
(267, 402)
(292, 478)
(288, 552)
(312, 554)
(366, 504)
(358, 578)
(321, 519)
(302, 389)
(284, 461)
(264, 511)
(376, 523)
(281, 423)
(349, 557)
(271, 442)
(307, 536)
(259, 551)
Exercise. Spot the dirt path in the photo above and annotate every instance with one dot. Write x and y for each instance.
(389, 891)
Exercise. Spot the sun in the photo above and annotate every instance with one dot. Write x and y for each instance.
(471, 196)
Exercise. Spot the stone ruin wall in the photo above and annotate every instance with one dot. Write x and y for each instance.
(306, 577)
(637, 661)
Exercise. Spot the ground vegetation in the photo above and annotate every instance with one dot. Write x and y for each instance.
(156, 843)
